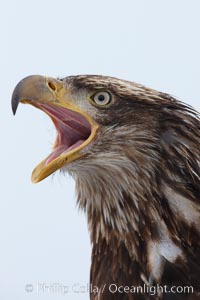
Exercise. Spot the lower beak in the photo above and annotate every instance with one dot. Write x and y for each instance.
(75, 128)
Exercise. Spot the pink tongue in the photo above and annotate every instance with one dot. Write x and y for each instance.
(62, 148)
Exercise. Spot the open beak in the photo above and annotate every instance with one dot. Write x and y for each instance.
(75, 129)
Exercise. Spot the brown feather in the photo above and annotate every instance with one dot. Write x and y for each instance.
(139, 184)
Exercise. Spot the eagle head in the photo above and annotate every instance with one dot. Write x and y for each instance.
(96, 118)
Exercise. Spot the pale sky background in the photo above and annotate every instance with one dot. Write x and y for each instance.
(43, 238)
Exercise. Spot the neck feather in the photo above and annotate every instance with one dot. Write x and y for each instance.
(115, 195)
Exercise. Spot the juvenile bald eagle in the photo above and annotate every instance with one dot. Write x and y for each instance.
(135, 155)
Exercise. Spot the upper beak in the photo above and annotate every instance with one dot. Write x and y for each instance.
(75, 128)
(36, 88)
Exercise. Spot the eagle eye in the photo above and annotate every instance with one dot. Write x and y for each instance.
(102, 98)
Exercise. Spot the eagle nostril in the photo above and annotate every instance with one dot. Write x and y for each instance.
(52, 86)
